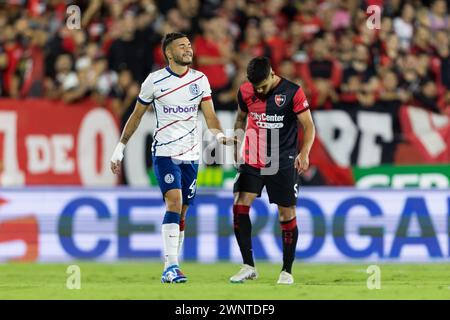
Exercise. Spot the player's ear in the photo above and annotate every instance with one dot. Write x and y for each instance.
(168, 53)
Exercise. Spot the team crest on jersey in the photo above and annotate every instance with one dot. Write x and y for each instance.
(280, 99)
(194, 89)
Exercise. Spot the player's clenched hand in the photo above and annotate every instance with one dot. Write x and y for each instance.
(302, 163)
(115, 167)
(228, 141)
(116, 159)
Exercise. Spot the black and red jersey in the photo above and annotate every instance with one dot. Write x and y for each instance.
(271, 132)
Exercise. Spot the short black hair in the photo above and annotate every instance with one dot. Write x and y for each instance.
(258, 69)
(168, 38)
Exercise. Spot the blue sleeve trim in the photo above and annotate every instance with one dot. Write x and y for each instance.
(145, 103)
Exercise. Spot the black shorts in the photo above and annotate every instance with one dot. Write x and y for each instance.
(281, 187)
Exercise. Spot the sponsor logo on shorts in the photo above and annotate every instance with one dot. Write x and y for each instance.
(169, 178)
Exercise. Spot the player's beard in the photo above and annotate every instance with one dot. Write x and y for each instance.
(260, 96)
(179, 60)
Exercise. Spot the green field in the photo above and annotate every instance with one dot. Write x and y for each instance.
(140, 280)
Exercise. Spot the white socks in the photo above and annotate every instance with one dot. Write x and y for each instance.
(171, 240)
(180, 242)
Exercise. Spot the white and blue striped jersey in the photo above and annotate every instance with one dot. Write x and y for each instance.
(176, 99)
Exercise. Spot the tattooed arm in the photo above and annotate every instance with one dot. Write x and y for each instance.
(130, 127)
(239, 129)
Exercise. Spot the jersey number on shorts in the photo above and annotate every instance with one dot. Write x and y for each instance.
(192, 187)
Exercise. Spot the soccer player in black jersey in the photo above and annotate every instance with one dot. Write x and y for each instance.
(272, 107)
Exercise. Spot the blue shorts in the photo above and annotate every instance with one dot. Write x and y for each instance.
(176, 174)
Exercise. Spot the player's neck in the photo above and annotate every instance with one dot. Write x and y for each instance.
(276, 82)
(178, 69)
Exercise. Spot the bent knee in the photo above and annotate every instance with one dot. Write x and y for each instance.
(286, 213)
(244, 199)
(173, 207)
(173, 202)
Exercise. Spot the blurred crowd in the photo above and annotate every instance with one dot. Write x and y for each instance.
(328, 47)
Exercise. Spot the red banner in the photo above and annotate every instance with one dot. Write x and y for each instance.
(45, 142)
(49, 142)
(428, 132)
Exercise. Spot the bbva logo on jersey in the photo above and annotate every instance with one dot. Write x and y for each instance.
(280, 99)
(194, 89)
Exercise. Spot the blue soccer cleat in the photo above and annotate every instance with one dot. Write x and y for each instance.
(173, 274)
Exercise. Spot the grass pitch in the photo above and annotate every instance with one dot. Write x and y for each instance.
(140, 280)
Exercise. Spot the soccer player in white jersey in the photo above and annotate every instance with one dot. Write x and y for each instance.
(175, 92)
